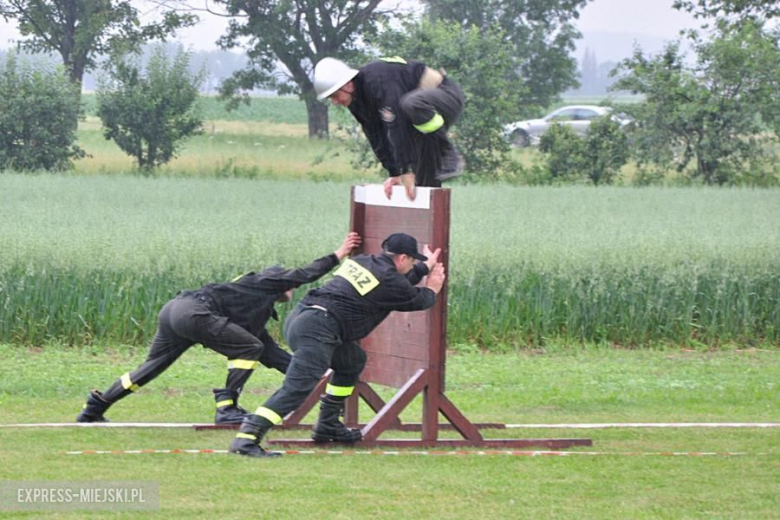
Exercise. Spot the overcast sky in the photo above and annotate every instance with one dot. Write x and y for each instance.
(652, 17)
(632, 17)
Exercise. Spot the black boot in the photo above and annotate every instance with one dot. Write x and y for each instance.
(247, 440)
(328, 428)
(228, 411)
(94, 408)
(451, 163)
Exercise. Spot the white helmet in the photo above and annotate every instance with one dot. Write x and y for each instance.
(330, 75)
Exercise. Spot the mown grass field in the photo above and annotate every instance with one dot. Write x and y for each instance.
(267, 138)
(630, 479)
(231, 149)
(85, 259)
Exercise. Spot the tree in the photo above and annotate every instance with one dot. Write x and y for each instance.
(148, 115)
(481, 62)
(81, 30)
(541, 32)
(719, 113)
(35, 106)
(297, 33)
(741, 8)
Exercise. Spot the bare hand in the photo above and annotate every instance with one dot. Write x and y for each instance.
(388, 185)
(436, 278)
(408, 180)
(433, 256)
(351, 241)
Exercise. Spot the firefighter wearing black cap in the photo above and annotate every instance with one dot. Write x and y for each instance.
(405, 109)
(324, 326)
(228, 318)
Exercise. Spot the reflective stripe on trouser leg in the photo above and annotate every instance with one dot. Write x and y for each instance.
(121, 388)
(239, 371)
(226, 402)
(347, 363)
(269, 414)
(430, 126)
(127, 384)
(243, 364)
(160, 359)
(116, 391)
(339, 391)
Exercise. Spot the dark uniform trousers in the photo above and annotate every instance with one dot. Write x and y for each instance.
(189, 319)
(315, 338)
(434, 148)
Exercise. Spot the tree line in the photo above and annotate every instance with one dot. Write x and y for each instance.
(217, 64)
(717, 118)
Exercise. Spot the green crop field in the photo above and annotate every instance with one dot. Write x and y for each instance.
(85, 259)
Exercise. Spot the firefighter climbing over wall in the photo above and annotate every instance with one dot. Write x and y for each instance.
(405, 109)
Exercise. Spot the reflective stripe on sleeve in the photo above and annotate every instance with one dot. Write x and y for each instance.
(436, 122)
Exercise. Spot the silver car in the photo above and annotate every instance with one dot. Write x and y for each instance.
(577, 117)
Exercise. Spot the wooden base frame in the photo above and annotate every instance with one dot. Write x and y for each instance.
(388, 418)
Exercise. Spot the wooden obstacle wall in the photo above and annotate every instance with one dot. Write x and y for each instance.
(406, 341)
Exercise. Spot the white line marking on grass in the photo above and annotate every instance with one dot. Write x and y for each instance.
(593, 426)
(101, 425)
(570, 426)
(516, 453)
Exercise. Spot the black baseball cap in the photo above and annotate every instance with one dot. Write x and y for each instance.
(401, 243)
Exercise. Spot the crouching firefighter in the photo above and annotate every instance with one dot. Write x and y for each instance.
(229, 318)
(323, 329)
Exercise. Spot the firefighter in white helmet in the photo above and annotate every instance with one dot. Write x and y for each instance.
(405, 109)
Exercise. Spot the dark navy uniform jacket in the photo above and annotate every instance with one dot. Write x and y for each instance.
(365, 289)
(249, 300)
(376, 104)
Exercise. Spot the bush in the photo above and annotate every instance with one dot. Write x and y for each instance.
(564, 151)
(37, 108)
(606, 150)
(597, 157)
(148, 115)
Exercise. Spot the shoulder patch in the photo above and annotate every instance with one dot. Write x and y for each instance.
(358, 276)
(387, 115)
